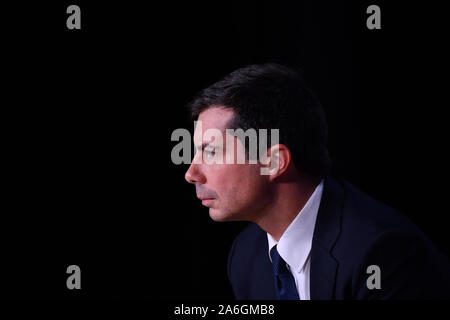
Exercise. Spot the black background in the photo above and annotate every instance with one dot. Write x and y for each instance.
(87, 117)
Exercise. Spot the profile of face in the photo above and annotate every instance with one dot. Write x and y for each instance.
(232, 191)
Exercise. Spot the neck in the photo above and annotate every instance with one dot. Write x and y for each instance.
(288, 200)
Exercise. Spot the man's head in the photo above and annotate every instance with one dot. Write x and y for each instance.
(268, 96)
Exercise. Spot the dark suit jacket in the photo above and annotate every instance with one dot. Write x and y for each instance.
(352, 232)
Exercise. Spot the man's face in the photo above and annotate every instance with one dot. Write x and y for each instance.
(231, 191)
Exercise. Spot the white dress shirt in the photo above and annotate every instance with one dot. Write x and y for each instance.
(295, 243)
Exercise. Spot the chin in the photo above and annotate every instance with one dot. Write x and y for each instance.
(219, 216)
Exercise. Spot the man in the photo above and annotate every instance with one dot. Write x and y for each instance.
(312, 236)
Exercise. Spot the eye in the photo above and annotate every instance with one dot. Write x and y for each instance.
(210, 153)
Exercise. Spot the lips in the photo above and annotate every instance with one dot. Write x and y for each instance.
(206, 201)
(205, 198)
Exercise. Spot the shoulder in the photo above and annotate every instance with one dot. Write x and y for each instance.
(372, 233)
(365, 219)
(353, 224)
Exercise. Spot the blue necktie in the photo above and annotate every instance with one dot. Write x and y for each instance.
(284, 281)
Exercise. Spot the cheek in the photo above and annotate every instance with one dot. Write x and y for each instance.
(243, 186)
(225, 179)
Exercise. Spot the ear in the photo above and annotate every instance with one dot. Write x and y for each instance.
(277, 161)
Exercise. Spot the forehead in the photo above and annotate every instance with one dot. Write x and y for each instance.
(215, 117)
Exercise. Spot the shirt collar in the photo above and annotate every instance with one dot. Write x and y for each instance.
(295, 243)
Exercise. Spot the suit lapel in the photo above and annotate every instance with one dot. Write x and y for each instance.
(266, 278)
(260, 278)
(323, 264)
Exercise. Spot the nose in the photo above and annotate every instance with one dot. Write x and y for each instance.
(194, 174)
